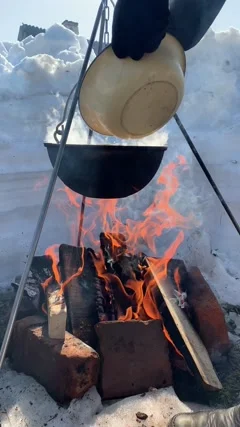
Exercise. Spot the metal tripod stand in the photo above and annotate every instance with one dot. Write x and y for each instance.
(52, 182)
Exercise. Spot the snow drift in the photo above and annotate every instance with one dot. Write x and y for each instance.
(36, 76)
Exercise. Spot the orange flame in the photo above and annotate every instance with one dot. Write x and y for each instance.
(53, 254)
(160, 264)
(171, 341)
(47, 283)
(41, 183)
(183, 162)
(71, 196)
(127, 316)
(135, 299)
(75, 275)
(177, 278)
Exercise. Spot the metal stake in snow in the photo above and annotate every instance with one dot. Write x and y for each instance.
(49, 192)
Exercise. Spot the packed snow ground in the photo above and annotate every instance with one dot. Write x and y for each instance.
(25, 403)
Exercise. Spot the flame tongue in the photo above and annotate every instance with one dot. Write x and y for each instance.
(135, 298)
(51, 252)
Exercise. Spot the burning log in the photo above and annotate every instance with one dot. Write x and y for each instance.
(57, 312)
(117, 260)
(193, 343)
(123, 275)
(104, 293)
(113, 247)
(100, 302)
(104, 301)
(33, 297)
(178, 274)
(78, 281)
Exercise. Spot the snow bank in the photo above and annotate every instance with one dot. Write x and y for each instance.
(37, 74)
(46, 64)
(26, 403)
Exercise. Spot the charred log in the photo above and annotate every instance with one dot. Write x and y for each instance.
(33, 297)
(177, 271)
(104, 302)
(113, 247)
(79, 277)
(128, 268)
(117, 259)
(100, 301)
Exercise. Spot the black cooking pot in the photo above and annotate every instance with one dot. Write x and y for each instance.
(104, 171)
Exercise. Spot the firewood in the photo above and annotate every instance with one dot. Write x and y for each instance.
(33, 296)
(193, 343)
(78, 273)
(57, 312)
(100, 302)
(117, 260)
(113, 247)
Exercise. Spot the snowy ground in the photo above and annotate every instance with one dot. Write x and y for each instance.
(24, 403)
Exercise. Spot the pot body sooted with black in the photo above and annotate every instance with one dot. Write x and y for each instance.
(107, 172)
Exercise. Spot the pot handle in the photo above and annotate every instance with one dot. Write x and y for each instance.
(191, 19)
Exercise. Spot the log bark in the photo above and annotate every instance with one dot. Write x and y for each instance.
(80, 292)
(117, 260)
(33, 296)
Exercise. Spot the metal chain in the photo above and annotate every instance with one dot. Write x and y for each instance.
(60, 127)
(107, 16)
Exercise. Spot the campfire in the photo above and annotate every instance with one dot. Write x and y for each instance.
(132, 317)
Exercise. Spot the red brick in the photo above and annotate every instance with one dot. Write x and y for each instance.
(208, 315)
(134, 357)
(66, 369)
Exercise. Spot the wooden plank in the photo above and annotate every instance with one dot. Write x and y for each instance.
(193, 343)
(57, 313)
